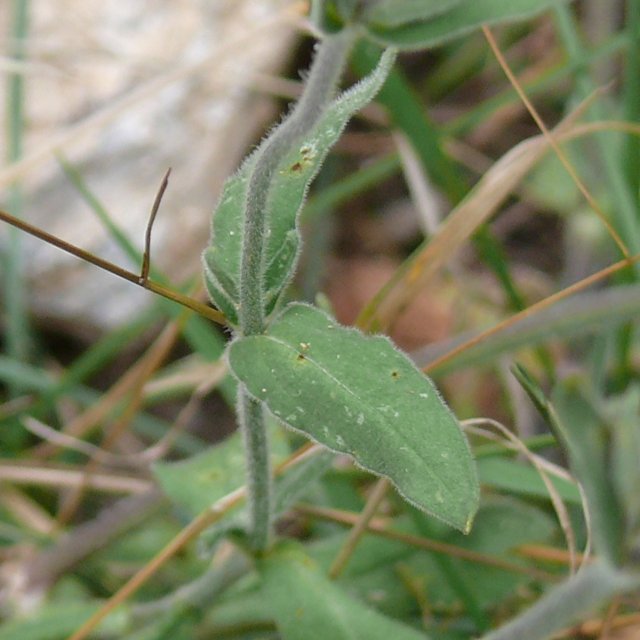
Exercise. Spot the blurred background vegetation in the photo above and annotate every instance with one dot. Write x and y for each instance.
(103, 385)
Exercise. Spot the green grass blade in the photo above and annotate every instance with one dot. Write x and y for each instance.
(352, 185)
(583, 314)
(625, 210)
(631, 95)
(460, 19)
(17, 333)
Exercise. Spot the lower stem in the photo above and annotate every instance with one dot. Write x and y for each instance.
(252, 425)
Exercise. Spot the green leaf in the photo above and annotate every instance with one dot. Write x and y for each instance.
(295, 483)
(174, 624)
(372, 574)
(196, 483)
(241, 609)
(515, 477)
(392, 13)
(222, 259)
(392, 576)
(358, 395)
(457, 21)
(308, 606)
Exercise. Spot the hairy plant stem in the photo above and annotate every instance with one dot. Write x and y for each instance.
(259, 483)
(319, 89)
(318, 92)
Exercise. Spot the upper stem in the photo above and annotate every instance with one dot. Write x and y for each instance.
(318, 91)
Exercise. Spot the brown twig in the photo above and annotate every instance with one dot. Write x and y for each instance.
(542, 553)
(562, 156)
(435, 546)
(359, 528)
(150, 285)
(534, 308)
(127, 384)
(146, 257)
(65, 476)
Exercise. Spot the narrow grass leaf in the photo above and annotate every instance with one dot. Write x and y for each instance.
(476, 208)
(358, 395)
(582, 314)
(458, 227)
(366, 177)
(393, 13)
(308, 606)
(515, 477)
(589, 590)
(222, 259)
(586, 440)
(623, 414)
(579, 428)
(459, 20)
